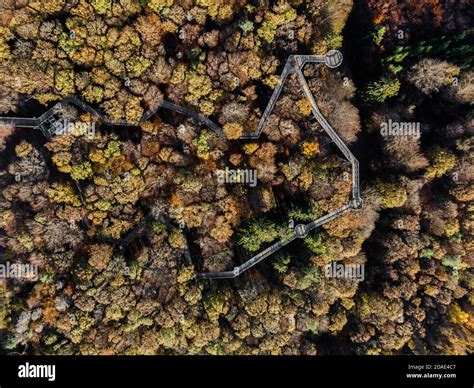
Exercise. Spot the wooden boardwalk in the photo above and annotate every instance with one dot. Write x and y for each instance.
(294, 65)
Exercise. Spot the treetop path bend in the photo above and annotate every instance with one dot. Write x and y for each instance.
(294, 65)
